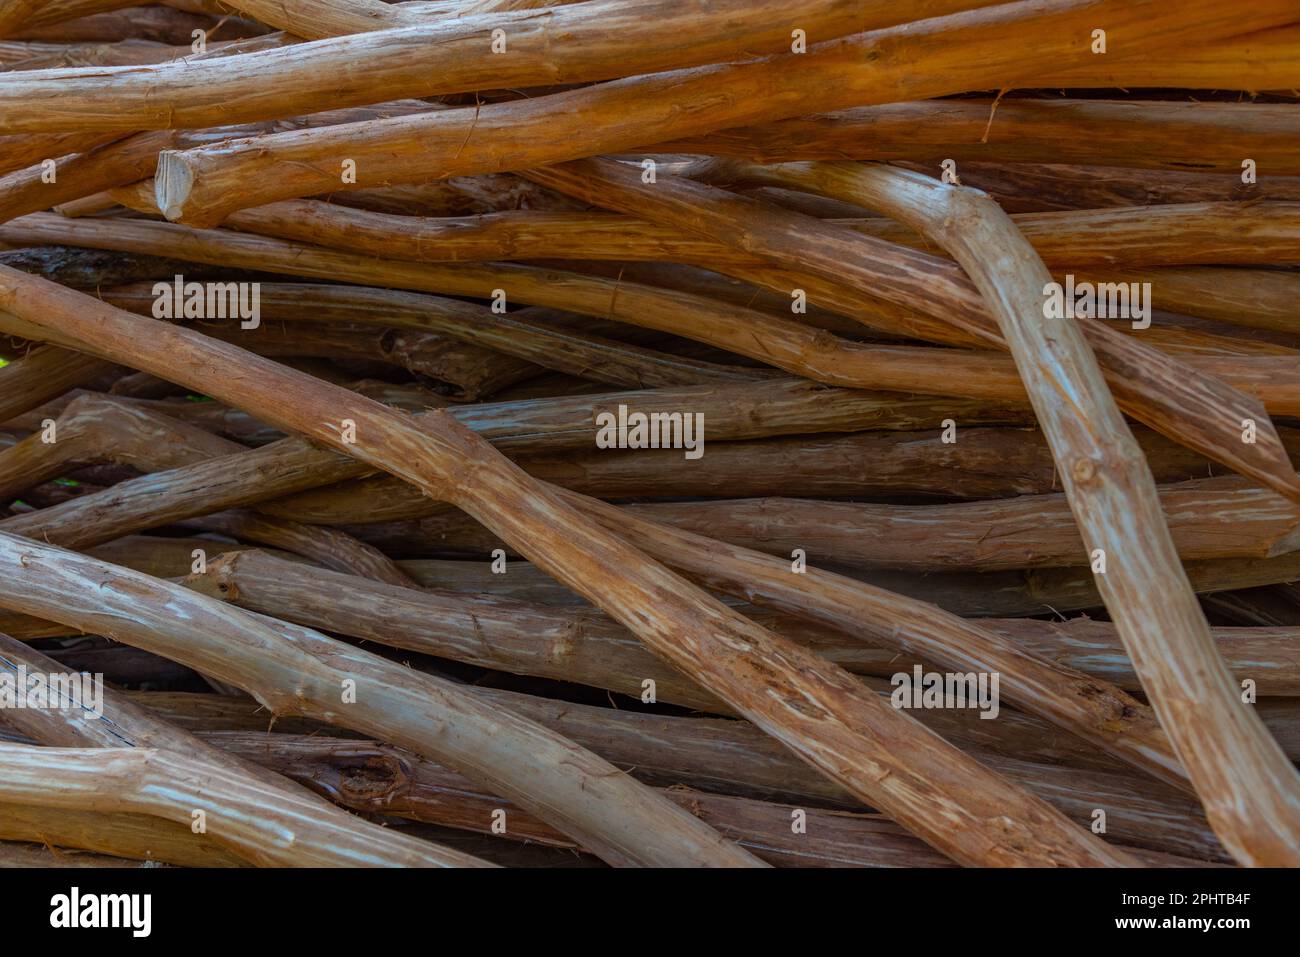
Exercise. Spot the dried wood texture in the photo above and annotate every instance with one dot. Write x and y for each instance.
(293, 670)
(290, 465)
(654, 194)
(795, 347)
(1205, 415)
(1251, 792)
(16, 13)
(1208, 518)
(171, 785)
(573, 43)
(1153, 134)
(1159, 235)
(117, 162)
(260, 816)
(988, 463)
(574, 647)
(995, 47)
(397, 782)
(93, 429)
(848, 734)
(719, 755)
(128, 836)
(551, 339)
(791, 345)
(44, 374)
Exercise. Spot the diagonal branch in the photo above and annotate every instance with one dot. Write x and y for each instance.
(1250, 790)
(875, 750)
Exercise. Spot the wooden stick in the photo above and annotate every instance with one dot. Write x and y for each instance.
(1045, 187)
(24, 854)
(88, 268)
(122, 161)
(1266, 655)
(173, 786)
(1152, 135)
(158, 23)
(719, 755)
(1254, 62)
(295, 671)
(1048, 591)
(403, 784)
(573, 43)
(765, 338)
(519, 638)
(787, 344)
(459, 196)
(1157, 235)
(96, 429)
(1208, 518)
(260, 816)
(44, 374)
(550, 339)
(845, 734)
(294, 464)
(93, 428)
(945, 55)
(316, 19)
(24, 55)
(1247, 297)
(578, 647)
(470, 371)
(15, 13)
(511, 236)
(328, 546)
(130, 836)
(23, 149)
(1250, 791)
(988, 463)
(1146, 380)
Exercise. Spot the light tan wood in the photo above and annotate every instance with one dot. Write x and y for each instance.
(261, 816)
(726, 654)
(1250, 790)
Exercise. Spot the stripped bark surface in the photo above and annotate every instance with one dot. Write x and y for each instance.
(574, 647)
(579, 42)
(145, 761)
(1205, 415)
(408, 322)
(292, 670)
(1250, 791)
(911, 62)
(728, 655)
(721, 756)
(1208, 519)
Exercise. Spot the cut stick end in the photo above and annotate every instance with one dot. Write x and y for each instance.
(173, 185)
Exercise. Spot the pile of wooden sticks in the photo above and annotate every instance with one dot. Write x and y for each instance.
(649, 432)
